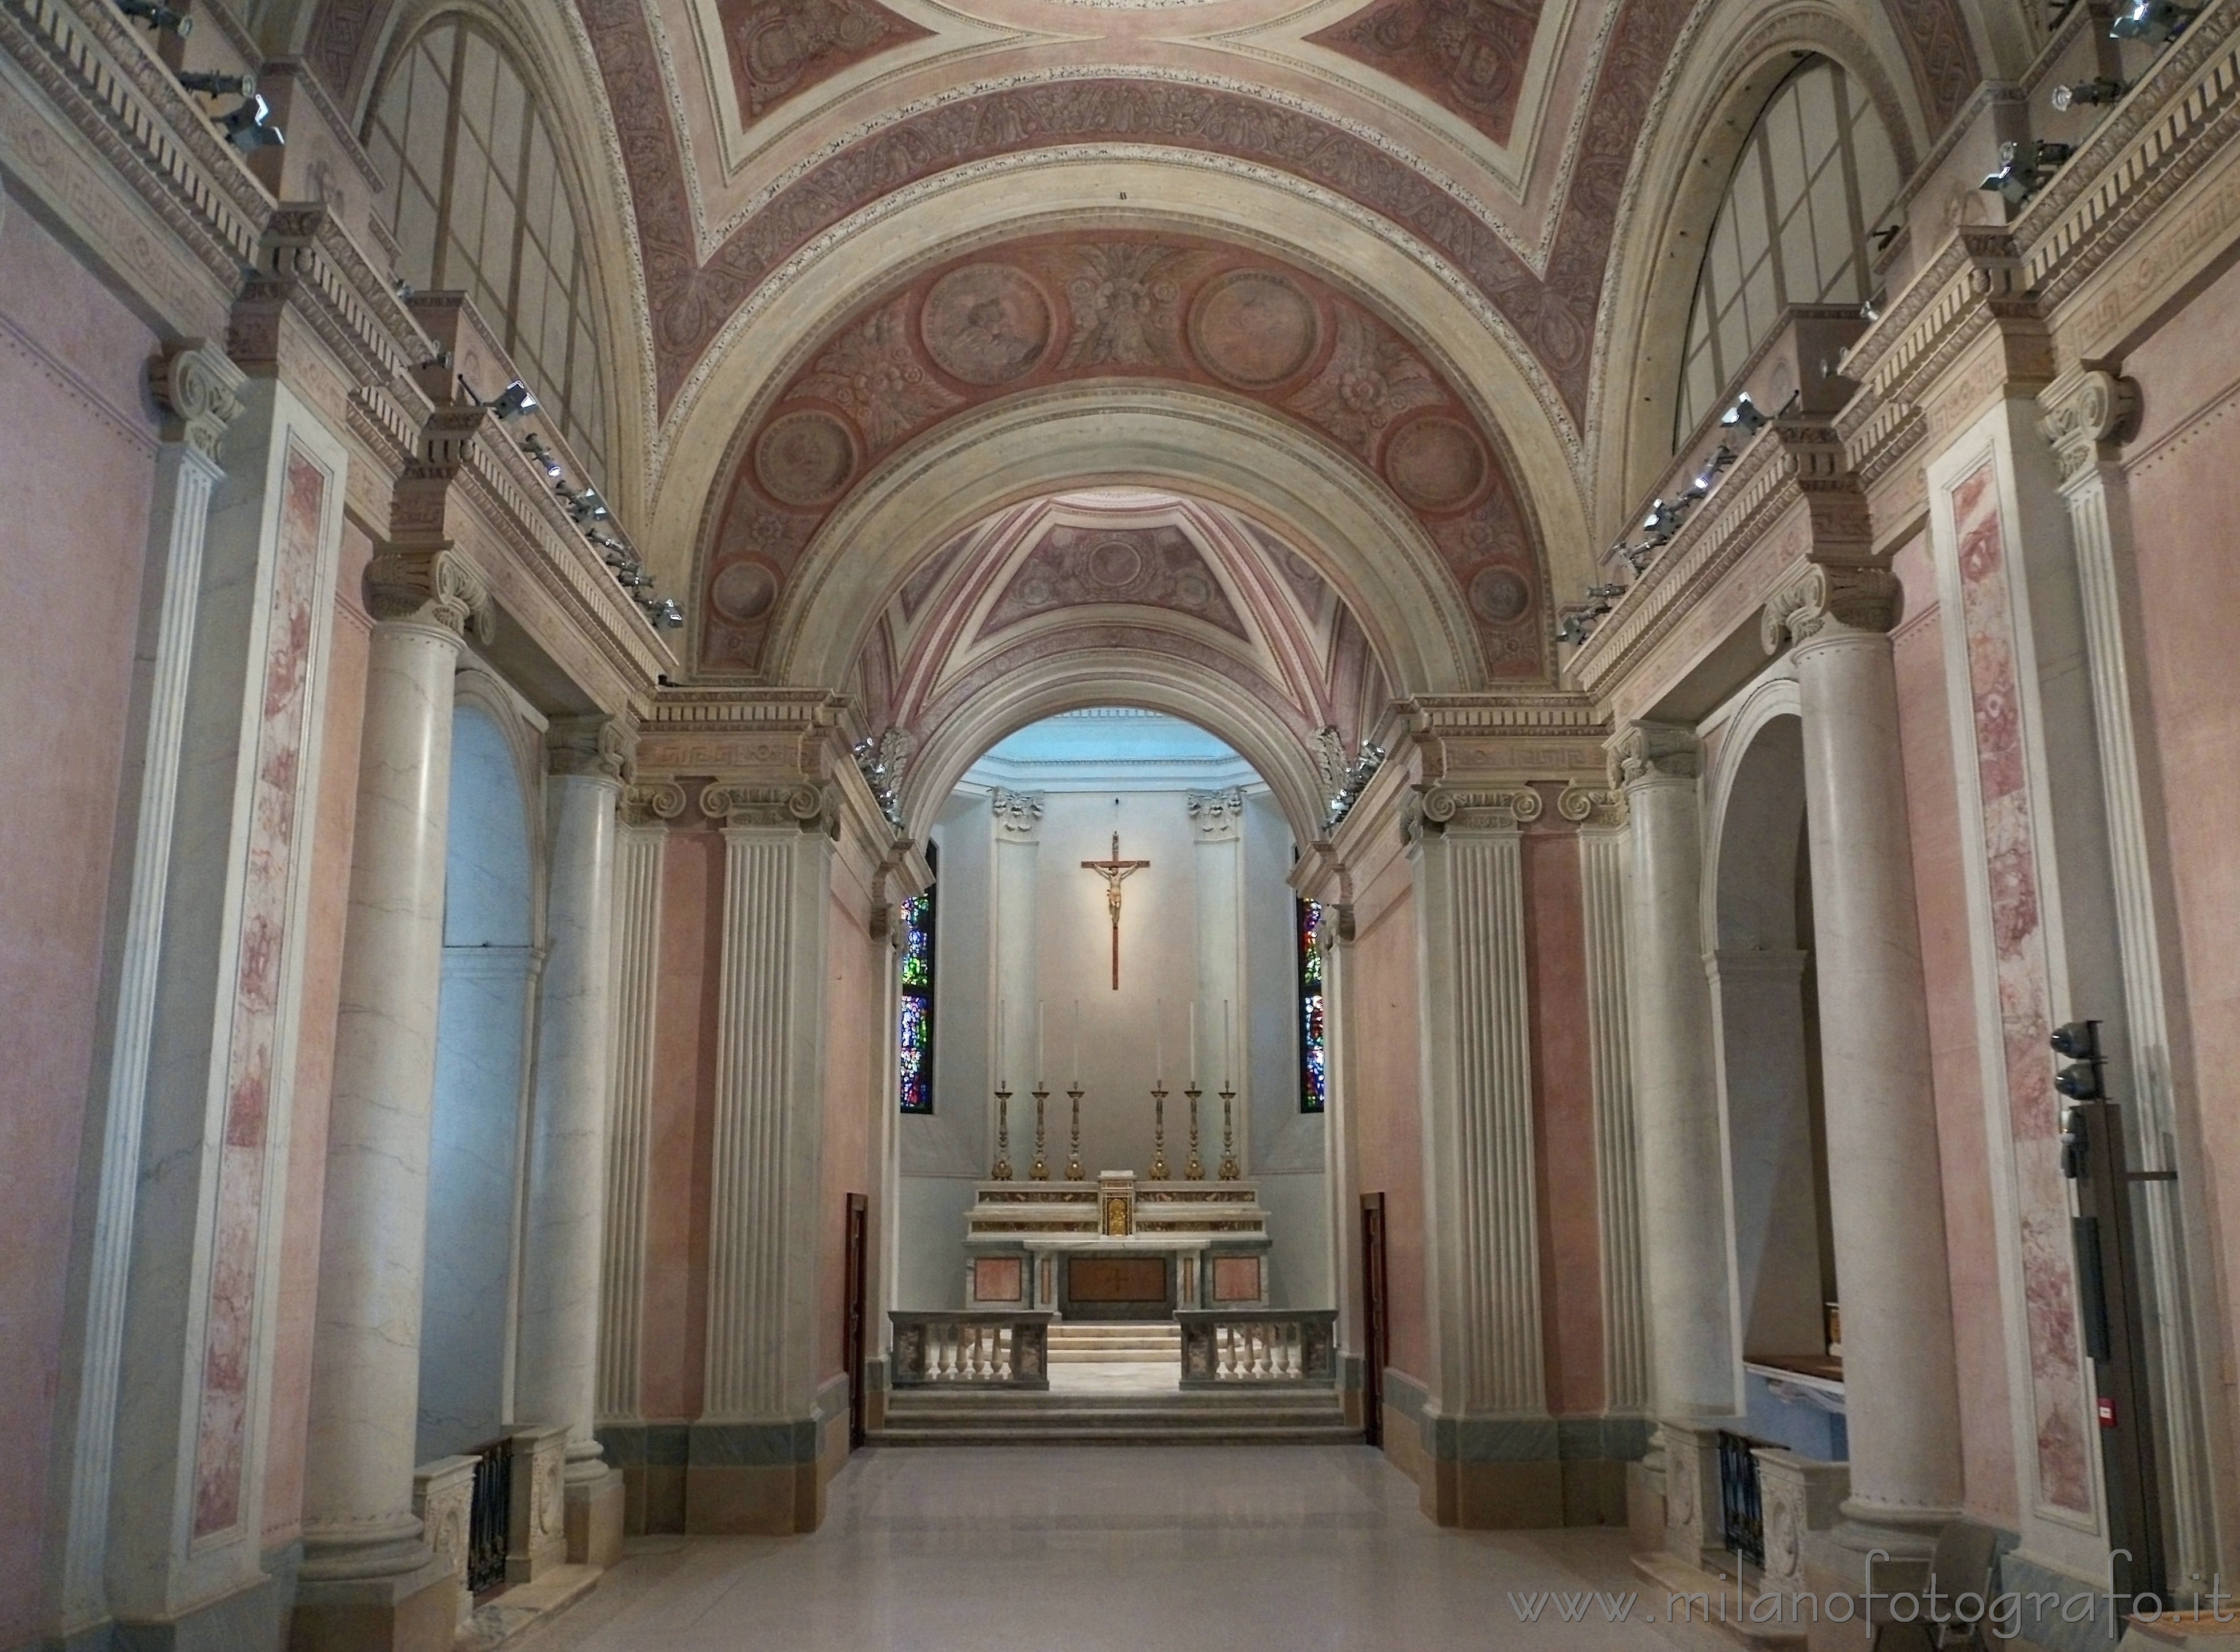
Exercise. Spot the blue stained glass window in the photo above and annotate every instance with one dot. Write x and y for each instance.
(1314, 1049)
(914, 1037)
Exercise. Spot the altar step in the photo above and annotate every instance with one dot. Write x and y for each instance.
(1285, 1416)
(1076, 1344)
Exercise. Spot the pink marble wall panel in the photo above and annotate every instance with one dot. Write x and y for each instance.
(2023, 978)
(1387, 1123)
(1563, 1124)
(674, 1343)
(306, 1172)
(855, 1031)
(1987, 1441)
(2185, 478)
(79, 449)
(260, 981)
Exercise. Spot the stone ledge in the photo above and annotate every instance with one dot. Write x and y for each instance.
(1729, 1601)
(524, 1605)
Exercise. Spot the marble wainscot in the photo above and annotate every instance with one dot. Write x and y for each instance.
(1115, 1249)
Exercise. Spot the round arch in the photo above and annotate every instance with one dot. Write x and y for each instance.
(1750, 797)
(1146, 682)
(1727, 74)
(1184, 442)
(1436, 306)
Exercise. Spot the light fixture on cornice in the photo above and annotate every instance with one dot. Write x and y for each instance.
(249, 126)
(1661, 521)
(543, 457)
(2025, 165)
(586, 506)
(210, 84)
(612, 551)
(2101, 90)
(665, 613)
(1605, 595)
(1637, 557)
(515, 400)
(1743, 416)
(1574, 628)
(2153, 21)
(158, 17)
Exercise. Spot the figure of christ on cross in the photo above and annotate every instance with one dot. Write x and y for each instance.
(1114, 872)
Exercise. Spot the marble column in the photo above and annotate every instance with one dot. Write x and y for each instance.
(555, 1371)
(756, 1451)
(1885, 1193)
(2089, 411)
(1695, 1368)
(1603, 847)
(1495, 1460)
(368, 1575)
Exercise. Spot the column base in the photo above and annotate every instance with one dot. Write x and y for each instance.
(246, 1619)
(415, 1611)
(1511, 1474)
(596, 1515)
(766, 1478)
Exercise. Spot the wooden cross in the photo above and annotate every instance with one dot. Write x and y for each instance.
(1114, 872)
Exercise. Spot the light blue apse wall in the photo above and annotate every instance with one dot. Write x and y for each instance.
(481, 1043)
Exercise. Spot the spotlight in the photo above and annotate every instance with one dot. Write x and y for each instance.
(1574, 628)
(1722, 456)
(1744, 416)
(1661, 521)
(1869, 313)
(1637, 557)
(586, 506)
(534, 448)
(631, 580)
(1884, 236)
(2024, 167)
(612, 552)
(250, 127)
(2152, 21)
(404, 288)
(2078, 1043)
(1605, 593)
(158, 17)
(513, 401)
(2102, 90)
(210, 85)
(666, 613)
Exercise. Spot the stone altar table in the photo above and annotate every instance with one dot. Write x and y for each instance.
(1115, 1249)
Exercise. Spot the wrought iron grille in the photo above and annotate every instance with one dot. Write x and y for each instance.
(490, 1517)
(1741, 1514)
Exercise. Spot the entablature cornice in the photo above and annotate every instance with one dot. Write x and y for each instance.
(775, 732)
(1497, 739)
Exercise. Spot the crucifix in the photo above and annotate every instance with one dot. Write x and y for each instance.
(1114, 872)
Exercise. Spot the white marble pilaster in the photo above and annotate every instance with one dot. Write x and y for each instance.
(1885, 1196)
(361, 1537)
(1480, 1193)
(1685, 1201)
(640, 845)
(556, 1376)
(1217, 868)
(1017, 823)
(1603, 849)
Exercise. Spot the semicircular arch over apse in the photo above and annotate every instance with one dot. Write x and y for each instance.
(1141, 307)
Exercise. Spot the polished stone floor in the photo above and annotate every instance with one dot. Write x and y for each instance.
(1307, 1549)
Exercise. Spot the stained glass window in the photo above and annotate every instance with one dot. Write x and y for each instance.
(915, 1036)
(1314, 1050)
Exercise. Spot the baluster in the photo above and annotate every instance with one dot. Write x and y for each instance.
(1007, 1352)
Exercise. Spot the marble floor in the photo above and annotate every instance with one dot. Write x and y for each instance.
(1309, 1549)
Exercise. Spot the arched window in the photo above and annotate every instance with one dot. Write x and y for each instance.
(914, 1037)
(1314, 1042)
(1815, 179)
(478, 204)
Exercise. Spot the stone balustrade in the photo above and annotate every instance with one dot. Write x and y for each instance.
(976, 1347)
(1222, 1346)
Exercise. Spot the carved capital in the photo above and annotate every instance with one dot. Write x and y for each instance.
(1336, 928)
(1018, 814)
(1647, 751)
(198, 390)
(438, 586)
(602, 746)
(1218, 816)
(1858, 599)
(1431, 810)
(2088, 414)
(744, 803)
(658, 801)
(1592, 806)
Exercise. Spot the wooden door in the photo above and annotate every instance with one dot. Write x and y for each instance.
(851, 1345)
(1376, 1326)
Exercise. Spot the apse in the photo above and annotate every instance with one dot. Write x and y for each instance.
(1109, 912)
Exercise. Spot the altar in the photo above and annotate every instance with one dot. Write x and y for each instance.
(1116, 1247)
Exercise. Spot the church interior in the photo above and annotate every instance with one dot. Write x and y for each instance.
(1448, 759)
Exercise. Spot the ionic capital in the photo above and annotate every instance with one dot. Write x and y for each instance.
(654, 803)
(1642, 752)
(2088, 414)
(438, 586)
(749, 803)
(1822, 595)
(1433, 810)
(1596, 808)
(596, 746)
(198, 388)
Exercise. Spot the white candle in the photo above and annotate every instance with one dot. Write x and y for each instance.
(1076, 1045)
(1193, 1048)
(1002, 1005)
(1039, 1008)
(1159, 1044)
(1227, 1064)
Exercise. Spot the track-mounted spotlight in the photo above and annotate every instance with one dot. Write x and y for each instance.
(215, 85)
(158, 17)
(249, 126)
(513, 401)
(2152, 21)
(2025, 166)
(543, 457)
(586, 506)
(2102, 90)
(1744, 416)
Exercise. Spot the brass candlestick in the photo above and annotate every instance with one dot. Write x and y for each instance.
(1039, 1170)
(1159, 1134)
(1229, 1171)
(1073, 1158)
(1193, 1168)
(1002, 1172)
